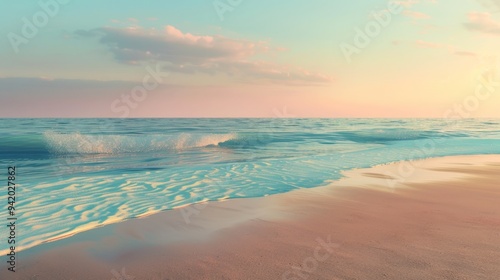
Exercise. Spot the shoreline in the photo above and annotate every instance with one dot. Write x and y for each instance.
(295, 220)
(397, 178)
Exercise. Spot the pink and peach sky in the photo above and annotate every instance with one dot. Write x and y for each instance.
(412, 58)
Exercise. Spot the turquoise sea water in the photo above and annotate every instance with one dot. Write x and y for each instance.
(78, 174)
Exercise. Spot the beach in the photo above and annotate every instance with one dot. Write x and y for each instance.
(250, 140)
(439, 221)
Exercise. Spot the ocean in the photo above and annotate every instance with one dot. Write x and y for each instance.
(73, 175)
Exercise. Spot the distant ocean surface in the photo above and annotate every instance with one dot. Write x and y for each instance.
(77, 174)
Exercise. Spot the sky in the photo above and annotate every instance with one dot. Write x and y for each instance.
(242, 58)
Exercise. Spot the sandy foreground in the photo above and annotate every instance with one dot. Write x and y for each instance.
(430, 219)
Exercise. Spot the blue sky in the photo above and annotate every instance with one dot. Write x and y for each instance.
(263, 56)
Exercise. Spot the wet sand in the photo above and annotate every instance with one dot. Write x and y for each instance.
(431, 219)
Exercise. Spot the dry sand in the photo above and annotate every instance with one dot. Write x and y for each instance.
(431, 219)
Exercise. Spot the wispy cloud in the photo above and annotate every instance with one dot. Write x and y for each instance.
(411, 3)
(482, 22)
(493, 5)
(465, 53)
(415, 15)
(407, 3)
(189, 54)
(452, 49)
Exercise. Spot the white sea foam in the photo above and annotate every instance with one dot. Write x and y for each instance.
(78, 143)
